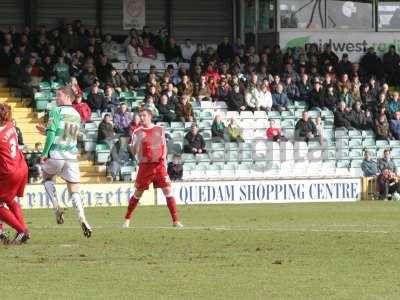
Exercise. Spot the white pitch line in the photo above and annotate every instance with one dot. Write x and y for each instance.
(225, 228)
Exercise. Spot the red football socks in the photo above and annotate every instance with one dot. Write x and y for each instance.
(9, 218)
(171, 203)
(15, 208)
(133, 202)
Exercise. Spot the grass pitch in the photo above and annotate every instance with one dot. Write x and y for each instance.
(297, 251)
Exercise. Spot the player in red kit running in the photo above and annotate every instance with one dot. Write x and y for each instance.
(148, 144)
(13, 177)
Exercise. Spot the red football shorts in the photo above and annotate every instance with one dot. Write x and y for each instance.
(155, 173)
(13, 185)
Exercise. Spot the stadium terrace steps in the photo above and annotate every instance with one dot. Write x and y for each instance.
(27, 119)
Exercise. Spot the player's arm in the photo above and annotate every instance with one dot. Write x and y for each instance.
(133, 145)
(51, 132)
(164, 144)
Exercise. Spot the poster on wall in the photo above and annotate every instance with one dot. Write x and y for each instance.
(134, 14)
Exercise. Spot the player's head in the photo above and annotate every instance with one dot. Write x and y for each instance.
(5, 114)
(145, 116)
(65, 96)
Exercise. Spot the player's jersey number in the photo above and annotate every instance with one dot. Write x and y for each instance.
(71, 132)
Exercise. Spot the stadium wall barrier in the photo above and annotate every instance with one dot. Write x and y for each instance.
(93, 195)
(266, 191)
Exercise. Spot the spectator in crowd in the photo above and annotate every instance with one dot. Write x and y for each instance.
(320, 129)
(341, 116)
(166, 110)
(135, 124)
(172, 51)
(360, 119)
(305, 128)
(259, 99)
(148, 50)
(106, 133)
(103, 68)
(34, 165)
(96, 100)
(122, 119)
(187, 50)
(218, 129)
(112, 100)
(175, 168)
(61, 70)
(331, 99)
(149, 104)
(83, 109)
(116, 81)
(202, 92)
(387, 184)
(133, 52)
(75, 86)
(382, 129)
(87, 77)
(234, 132)
(274, 133)
(317, 97)
(305, 87)
(184, 110)
(291, 89)
(235, 100)
(194, 141)
(394, 104)
(371, 64)
(386, 162)
(280, 99)
(391, 61)
(369, 166)
(19, 133)
(345, 96)
(16, 72)
(344, 66)
(225, 50)
(119, 157)
(110, 48)
(395, 126)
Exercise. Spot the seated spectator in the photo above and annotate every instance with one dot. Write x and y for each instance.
(194, 141)
(234, 132)
(34, 165)
(184, 110)
(187, 50)
(175, 168)
(279, 98)
(223, 90)
(213, 85)
(203, 91)
(106, 133)
(291, 89)
(274, 133)
(369, 166)
(360, 119)
(82, 108)
(16, 72)
(235, 100)
(75, 86)
(149, 104)
(305, 87)
(172, 51)
(387, 184)
(166, 110)
(134, 52)
(345, 96)
(225, 50)
(317, 97)
(110, 48)
(122, 119)
(61, 70)
(382, 129)
(135, 124)
(341, 116)
(386, 162)
(47, 69)
(96, 100)
(148, 50)
(27, 82)
(186, 86)
(320, 129)
(331, 100)
(119, 157)
(394, 104)
(87, 77)
(218, 129)
(258, 99)
(305, 128)
(131, 77)
(112, 100)
(171, 93)
(103, 68)
(395, 126)
(116, 81)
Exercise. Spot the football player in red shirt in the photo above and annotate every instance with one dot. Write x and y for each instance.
(13, 177)
(149, 145)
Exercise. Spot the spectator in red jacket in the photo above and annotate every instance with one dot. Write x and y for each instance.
(274, 133)
(82, 108)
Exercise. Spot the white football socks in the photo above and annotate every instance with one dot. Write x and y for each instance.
(77, 202)
(50, 188)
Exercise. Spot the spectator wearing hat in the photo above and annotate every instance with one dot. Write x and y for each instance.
(194, 141)
(175, 168)
(344, 66)
(369, 166)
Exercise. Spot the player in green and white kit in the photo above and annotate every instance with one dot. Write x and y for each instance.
(60, 155)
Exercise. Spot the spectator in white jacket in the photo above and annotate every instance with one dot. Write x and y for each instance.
(259, 98)
(188, 49)
(110, 47)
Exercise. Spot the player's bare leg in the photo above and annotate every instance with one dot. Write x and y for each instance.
(4, 239)
(75, 198)
(133, 202)
(171, 203)
(49, 186)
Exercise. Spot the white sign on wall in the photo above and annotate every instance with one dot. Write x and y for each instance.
(134, 14)
(265, 191)
(351, 42)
